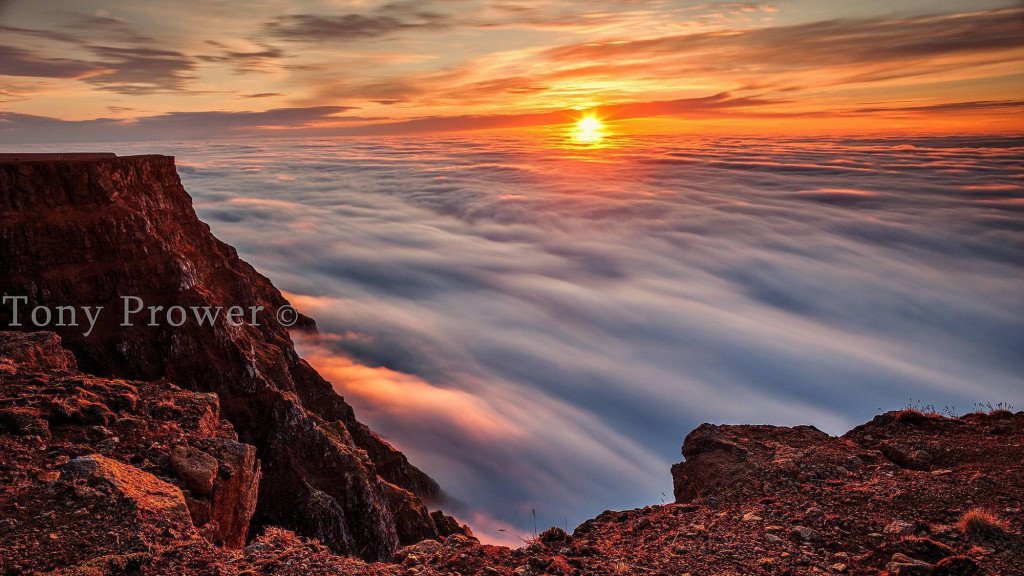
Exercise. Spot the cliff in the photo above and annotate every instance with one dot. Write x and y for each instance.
(84, 231)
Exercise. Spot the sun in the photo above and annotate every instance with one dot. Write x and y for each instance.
(588, 130)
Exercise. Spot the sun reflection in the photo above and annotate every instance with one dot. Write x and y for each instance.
(588, 130)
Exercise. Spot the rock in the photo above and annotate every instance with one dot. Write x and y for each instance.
(448, 526)
(108, 444)
(806, 534)
(235, 489)
(903, 565)
(412, 519)
(899, 527)
(924, 549)
(908, 458)
(957, 566)
(897, 569)
(736, 461)
(159, 503)
(23, 422)
(37, 351)
(195, 468)
(553, 536)
(417, 553)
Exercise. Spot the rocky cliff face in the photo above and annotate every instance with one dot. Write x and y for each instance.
(93, 464)
(84, 232)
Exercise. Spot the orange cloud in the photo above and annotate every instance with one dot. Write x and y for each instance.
(384, 392)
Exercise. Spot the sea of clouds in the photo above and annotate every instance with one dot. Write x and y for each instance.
(539, 325)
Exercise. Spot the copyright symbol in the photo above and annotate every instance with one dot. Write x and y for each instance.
(287, 316)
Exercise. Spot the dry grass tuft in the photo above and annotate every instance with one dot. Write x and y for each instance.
(980, 524)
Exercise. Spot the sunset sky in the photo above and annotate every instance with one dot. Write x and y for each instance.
(97, 69)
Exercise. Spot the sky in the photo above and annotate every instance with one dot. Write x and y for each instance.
(101, 70)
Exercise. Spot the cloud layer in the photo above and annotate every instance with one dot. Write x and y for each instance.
(539, 325)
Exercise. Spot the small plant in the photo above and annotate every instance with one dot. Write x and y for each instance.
(980, 524)
(998, 409)
(517, 536)
(916, 408)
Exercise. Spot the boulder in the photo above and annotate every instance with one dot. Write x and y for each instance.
(160, 504)
(957, 566)
(23, 422)
(235, 489)
(196, 469)
(36, 350)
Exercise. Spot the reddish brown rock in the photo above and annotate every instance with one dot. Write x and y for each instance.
(23, 422)
(37, 350)
(112, 439)
(958, 566)
(738, 461)
(98, 507)
(234, 490)
(159, 504)
(195, 468)
(823, 504)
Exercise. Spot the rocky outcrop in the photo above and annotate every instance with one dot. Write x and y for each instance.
(36, 350)
(222, 478)
(91, 465)
(393, 466)
(86, 232)
(737, 461)
(159, 505)
(235, 486)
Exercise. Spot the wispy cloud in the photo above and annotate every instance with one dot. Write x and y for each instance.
(141, 70)
(387, 19)
(20, 62)
(175, 125)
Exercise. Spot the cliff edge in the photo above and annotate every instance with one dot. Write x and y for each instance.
(87, 230)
